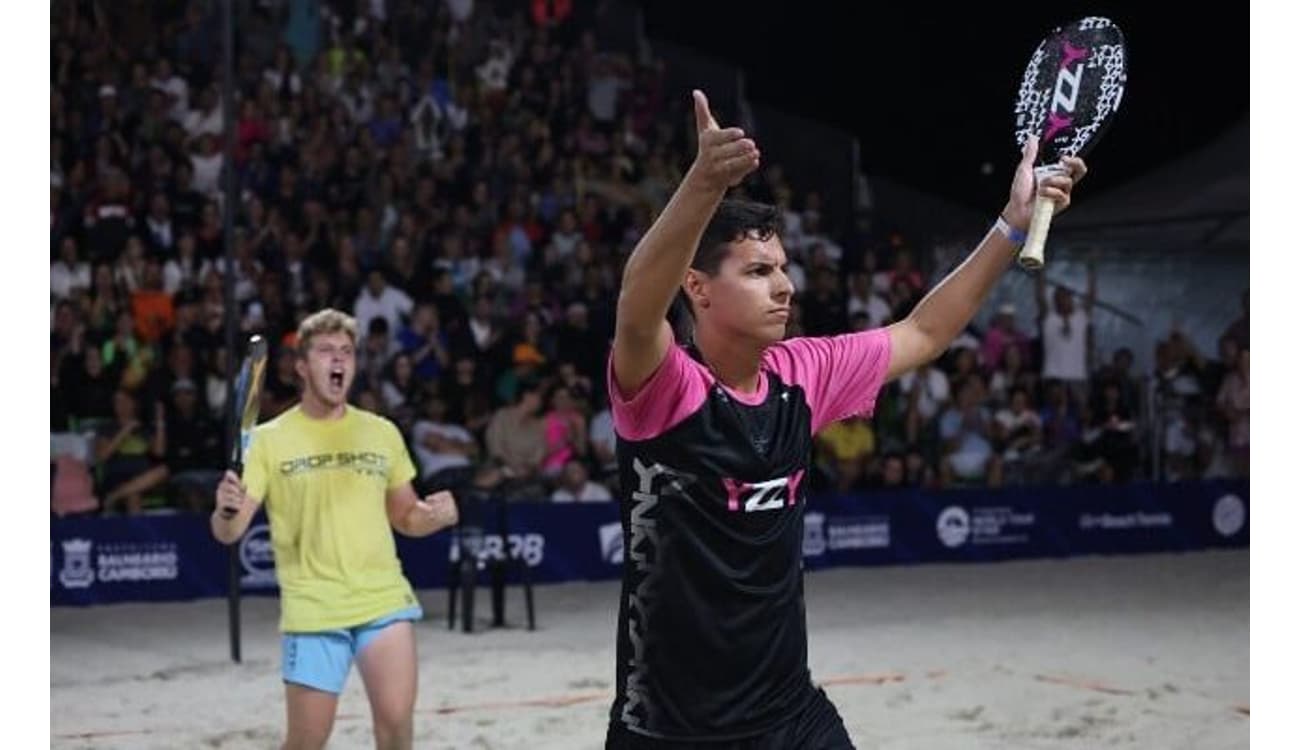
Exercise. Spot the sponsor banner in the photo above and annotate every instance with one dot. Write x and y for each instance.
(978, 524)
(168, 558)
(147, 558)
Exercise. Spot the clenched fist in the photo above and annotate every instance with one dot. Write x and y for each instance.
(437, 511)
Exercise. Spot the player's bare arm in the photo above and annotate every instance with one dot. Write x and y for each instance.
(659, 262)
(414, 517)
(942, 315)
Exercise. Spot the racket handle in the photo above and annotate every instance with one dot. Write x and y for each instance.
(1031, 255)
(236, 466)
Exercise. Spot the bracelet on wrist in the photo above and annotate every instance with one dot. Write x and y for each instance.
(1016, 236)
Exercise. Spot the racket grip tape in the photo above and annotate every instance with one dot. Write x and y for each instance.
(1031, 255)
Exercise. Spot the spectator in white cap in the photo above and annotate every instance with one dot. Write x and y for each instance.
(108, 120)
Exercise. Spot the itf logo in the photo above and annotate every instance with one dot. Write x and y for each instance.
(953, 526)
(611, 543)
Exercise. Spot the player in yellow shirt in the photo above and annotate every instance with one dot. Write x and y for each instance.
(335, 478)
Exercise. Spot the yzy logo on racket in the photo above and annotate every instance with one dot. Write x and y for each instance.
(1066, 94)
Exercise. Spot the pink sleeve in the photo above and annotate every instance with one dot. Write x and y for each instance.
(841, 375)
(675, 390)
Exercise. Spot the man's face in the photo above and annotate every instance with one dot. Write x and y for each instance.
(750, 295)
(1064, 301)
(123, 407)
(182, 360)
(530, 402)
(186, 401)
(825, 282)
(328, 366)
(63, 318)
(861, 284)
(575, 476)
(158, 207)
(94, 362)
(426, 319)
(153, 277)
(894, 472)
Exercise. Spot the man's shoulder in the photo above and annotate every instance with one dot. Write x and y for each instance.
(370, 419)
(279, 422)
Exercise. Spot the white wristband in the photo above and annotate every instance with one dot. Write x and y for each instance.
(1016, 236)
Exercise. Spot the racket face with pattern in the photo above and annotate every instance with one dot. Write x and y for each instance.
(247, 405)
(1072, 88)
(248, 399)
(1069, 94)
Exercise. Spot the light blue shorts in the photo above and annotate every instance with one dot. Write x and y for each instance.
(321, 660)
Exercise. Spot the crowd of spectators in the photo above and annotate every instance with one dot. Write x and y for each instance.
(466, 178)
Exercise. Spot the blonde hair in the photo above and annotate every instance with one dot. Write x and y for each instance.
(324, 322)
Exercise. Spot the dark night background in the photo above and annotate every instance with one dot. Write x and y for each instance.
(929, 90)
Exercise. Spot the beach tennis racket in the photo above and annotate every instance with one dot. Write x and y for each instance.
(1071, 89)
(247, 404)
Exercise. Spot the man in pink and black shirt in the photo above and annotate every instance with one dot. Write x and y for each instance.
(715, 438)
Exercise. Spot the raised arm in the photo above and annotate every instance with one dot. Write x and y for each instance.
(1091, 297)
(657, 266)
(950, 306)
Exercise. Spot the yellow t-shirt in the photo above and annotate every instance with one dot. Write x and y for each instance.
(849, 440)
(325, 486)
